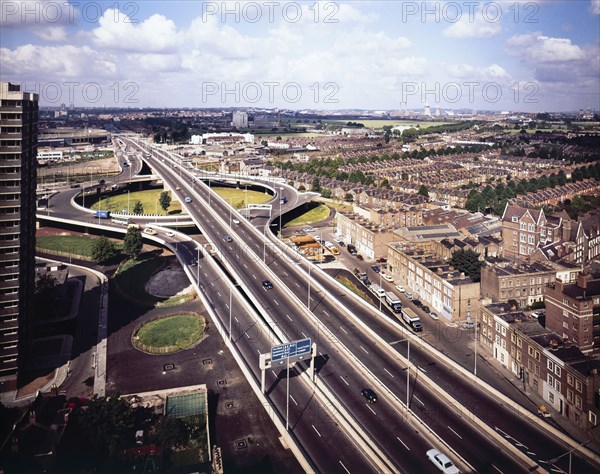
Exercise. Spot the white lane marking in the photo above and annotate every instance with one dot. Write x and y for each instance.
(391, 375)
(254, 276)
(497, 469)
(326, 313)
(343, 329)
(245, 266)
(316, 430)
(371, 409)
(226, 305)
(258, 351)
(246, 334)
(344, 380)
(455, 432)
(345, 468)
(320, 353)
(403, 443)
(417, 399)
(212, 283)
(366, 352)
(285, 273)
(296, 283)
(293, 400)
(219, 293)
(422, 369)
(288, 316)
(205, 275)
(236, 319)
(275, 301)
(303, 335)
(274, 373)
(531, 453)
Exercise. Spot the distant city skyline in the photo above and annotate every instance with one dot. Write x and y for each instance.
(520, 56)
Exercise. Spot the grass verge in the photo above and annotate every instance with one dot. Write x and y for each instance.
(313, 216)
(170, 333)
(238, 197)
(75, 245)
(352, 287)
(148, 198)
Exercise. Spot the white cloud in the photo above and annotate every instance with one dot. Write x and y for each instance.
(491, 73)
(51, 34)
(37, 13)
(56, 62)
(595, 7)
(538, 48)
(481, 24)
(117, 32)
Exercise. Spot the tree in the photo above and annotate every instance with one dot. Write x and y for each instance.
(108, 424)
(316, 185)
(467, 261)
(423, 191)
(103, 250)
(165, 200)
(326, 193)
(348, 197)
(138, 208)
(132, 244)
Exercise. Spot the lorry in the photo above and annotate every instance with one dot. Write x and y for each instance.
(393, 301)
(102, 214)
(410, 318)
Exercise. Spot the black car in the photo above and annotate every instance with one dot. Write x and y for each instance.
(417, 303)
(352, 249)
(370, 395)
(426, 309)
(267, 285)
(376, 268)
(341, 243)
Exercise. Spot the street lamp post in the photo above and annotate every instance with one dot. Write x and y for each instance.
(570, 453)
(380, 283)
(280, 229)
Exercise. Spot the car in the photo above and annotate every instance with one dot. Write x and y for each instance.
(267, 285)
(468, 325)
(359, 256)
(150, 231)
(351, 249)
(376, 268)
(370, 395)
(341, 243)
(442, 462)
(235, 221)
(426, 309)
(434, 315)
(188, 199)
(308, 229)
(400, 288)
(228, 238)
(101, 181)
(193, 262)
(75, 185)
(170, 233)
(417, 303)
(317, 238)
(387, 277)
(409, 295)
(381, 260)
(177, 188)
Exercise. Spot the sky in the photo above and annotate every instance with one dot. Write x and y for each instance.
(509, 55)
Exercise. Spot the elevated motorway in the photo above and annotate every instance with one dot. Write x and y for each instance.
(351, 357)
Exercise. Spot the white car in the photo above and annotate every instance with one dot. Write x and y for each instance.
(400, 288)
(442, 462)
(235, 221)
(170, 233)
(387, 277)
(434, 316)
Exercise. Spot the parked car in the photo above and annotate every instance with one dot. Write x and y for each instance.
(409, 295)
(387, 277)
(400, 288)
(381, 260)
(434, 315)
(308, 229)
(341, 243)
(426, 309)
(417, 303)
(359, 256)
(442, 462)
(352, 249)
(370, 395)
(235, 221)
(376, 268)
(468, 325)
(150, 231)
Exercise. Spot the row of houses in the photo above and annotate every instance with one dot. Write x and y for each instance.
(558, 194)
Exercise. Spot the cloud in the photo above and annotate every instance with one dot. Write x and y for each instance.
(51, 34)
(481, 24)
(595, 7)
(117, 32)
(491, 73)
(538, 48)
(56, 62)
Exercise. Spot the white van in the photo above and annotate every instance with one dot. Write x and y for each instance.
(409, 295)
(380, 292)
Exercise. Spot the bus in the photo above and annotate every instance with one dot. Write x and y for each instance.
(121, 220)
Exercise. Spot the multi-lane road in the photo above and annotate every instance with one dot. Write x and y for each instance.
(357, 348)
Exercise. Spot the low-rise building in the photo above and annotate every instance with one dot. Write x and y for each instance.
(557, 371)
(369, 239)
(573, 311)
(523, 283)
(447, 291)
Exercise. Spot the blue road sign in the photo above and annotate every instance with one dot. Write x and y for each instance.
(290, 349)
